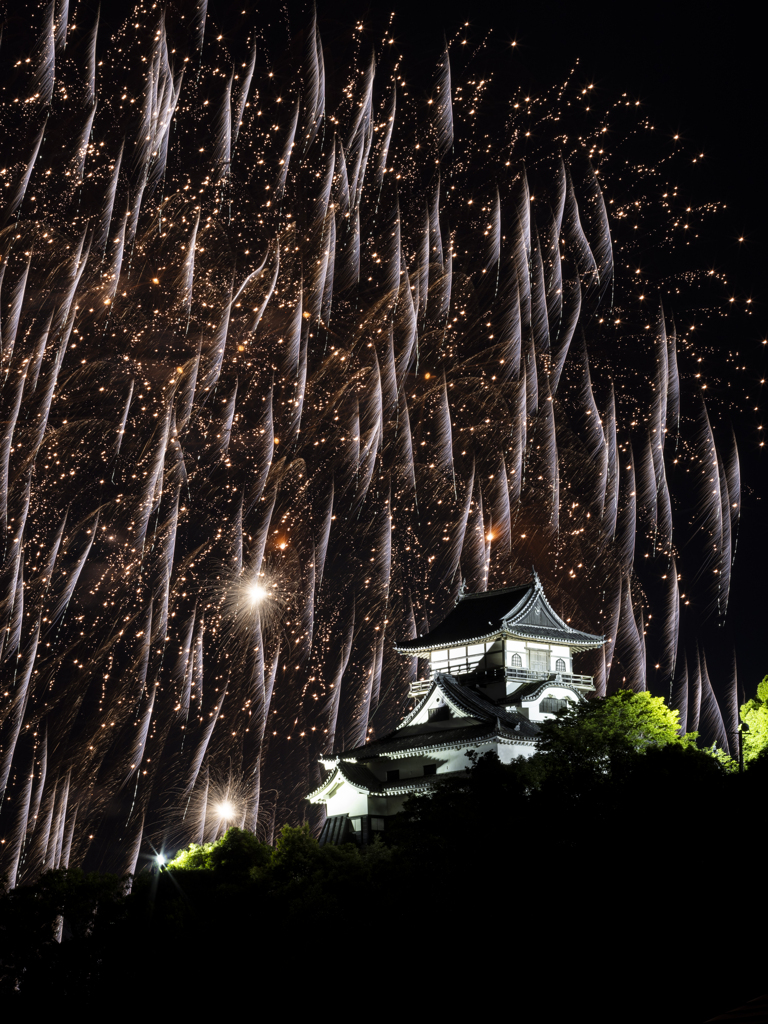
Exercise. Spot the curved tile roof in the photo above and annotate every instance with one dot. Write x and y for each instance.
(474, 704)
(464, 737)
(483, 718)
(360, 776)
(518, 611)
(546, 634)
(531, 691)
(474, 616)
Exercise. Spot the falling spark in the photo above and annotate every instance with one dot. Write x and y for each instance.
(276, 377)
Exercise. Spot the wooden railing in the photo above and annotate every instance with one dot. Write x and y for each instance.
(524, 675)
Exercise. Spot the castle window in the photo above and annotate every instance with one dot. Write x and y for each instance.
(393, 775)
(377, 824)
(560, 665)
(516, 661)
(551, 705)
(457, 657)
(540, 661)
(430, 769)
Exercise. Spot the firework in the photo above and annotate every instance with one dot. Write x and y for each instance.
(277, 375)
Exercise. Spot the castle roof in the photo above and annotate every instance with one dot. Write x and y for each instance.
(364, 781)
(477, 719)
(523, 612)
(474, 722)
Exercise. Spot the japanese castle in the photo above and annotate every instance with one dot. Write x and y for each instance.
(500, 662)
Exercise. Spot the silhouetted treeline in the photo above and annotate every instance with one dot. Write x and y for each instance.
(554, 888)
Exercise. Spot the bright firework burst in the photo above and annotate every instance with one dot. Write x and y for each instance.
(277, 377)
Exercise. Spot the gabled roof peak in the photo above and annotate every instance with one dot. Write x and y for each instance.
(465, 702)
(522, 611)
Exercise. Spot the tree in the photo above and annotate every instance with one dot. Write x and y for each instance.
(238, 851)
(235, 853)
(297, 855)
(196, 857)
(595, 734)
(754, 715)
(50, 932)
(447, 824)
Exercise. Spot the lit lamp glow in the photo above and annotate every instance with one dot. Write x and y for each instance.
(256, 593)
(225, 810)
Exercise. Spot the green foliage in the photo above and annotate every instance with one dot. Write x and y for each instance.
(639, 719)
(194, 858)
(727, 763)
(597, 733)
(296, 853)
(754, 715)
(299, 880)
(237, 852)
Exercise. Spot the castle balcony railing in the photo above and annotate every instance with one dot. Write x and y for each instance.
(520, 675)
(532, 675)
(419, 688)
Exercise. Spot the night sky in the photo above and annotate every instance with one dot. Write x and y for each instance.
(230, 481)
(700, 72)
(700, 75)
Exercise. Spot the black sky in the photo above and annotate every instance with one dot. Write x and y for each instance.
(697, 69)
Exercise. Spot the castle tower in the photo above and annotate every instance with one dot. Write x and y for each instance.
(500, 662)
